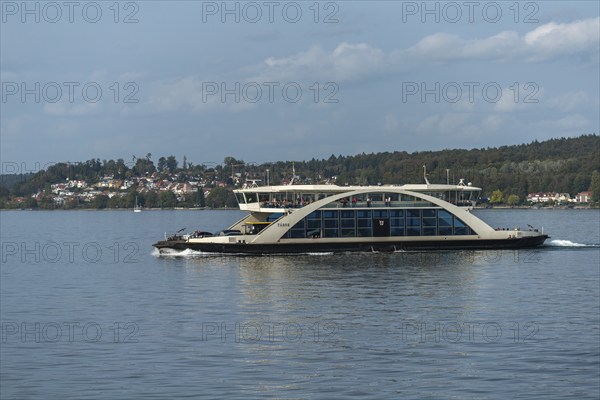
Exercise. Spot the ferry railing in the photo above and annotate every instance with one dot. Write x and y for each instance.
(358, 204)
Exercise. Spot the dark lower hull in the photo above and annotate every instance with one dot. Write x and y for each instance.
(319, 247)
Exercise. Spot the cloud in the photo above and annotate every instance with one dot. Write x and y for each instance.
(553, 39)
(346, 62)
(185, 92)
(360, 61)
(572, 101)
(520, 98)
(547, 41)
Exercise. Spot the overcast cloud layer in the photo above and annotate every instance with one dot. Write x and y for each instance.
(186, 78)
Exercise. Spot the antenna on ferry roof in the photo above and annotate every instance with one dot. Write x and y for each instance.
(293, 173)
(425, 174)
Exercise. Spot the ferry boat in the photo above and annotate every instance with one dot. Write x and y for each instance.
(330, 218)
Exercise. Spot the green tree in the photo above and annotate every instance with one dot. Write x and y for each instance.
(30, 202)
(171, 163)
(46, 203)
(151, 199)
(100, 201)
(167, 199)
(221, 197)
(497, 197)
(162, 164)
(513, 200)
(595, 187)
(129, 198)
(201, 198)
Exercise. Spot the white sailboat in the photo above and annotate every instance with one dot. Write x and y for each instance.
(137, 208)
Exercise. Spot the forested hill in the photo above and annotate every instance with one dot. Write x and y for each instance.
(559, 165)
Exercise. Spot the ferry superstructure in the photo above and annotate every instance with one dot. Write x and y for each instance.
(286, 219)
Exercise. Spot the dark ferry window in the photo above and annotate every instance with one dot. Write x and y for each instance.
(430, 222)
(251, 197)
(314, 215)
(396, 231)
(363, 213)
(240, 198)
(460, 228)
(330, 214)
(297, 233)
(427, 231)
(274, 217)
(413, 223)
(348, 223)
(396, 221)
(364, 223)
(413, 231)
(429, 213)
(413, 214)
(313, 224)
(347, 214)
(348, 233)
(396, 213)
(330, 233)
(380, 213)
(330, 223)
(444, 218)
(299, 224)
(445, 231)
(363, 232)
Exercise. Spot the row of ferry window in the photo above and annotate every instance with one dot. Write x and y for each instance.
(368, 223)
(306, 198)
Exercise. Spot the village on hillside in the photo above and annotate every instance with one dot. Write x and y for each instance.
(155, 191)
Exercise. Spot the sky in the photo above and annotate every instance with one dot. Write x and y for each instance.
(282, 80)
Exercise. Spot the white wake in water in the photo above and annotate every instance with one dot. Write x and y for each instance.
(179, 253)
(567, 243)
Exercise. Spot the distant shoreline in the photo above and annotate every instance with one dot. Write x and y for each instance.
(237, 209)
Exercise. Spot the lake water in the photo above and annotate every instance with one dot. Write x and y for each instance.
(88, 310)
